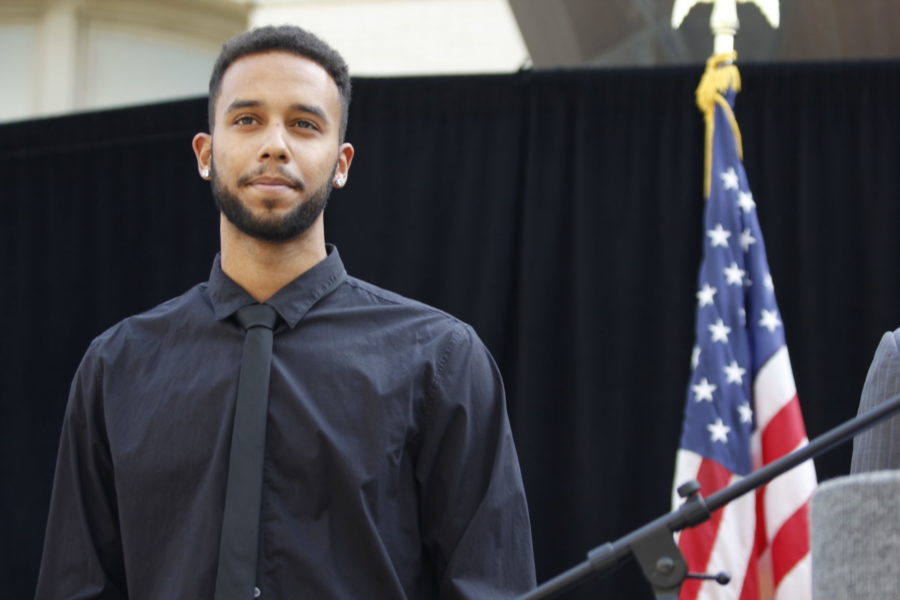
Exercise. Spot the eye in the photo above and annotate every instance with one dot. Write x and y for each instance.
(306, 124)
(245, 120)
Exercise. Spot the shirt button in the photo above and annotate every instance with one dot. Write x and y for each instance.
(256, 592)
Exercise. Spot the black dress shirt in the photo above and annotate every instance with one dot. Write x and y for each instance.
(390, 470)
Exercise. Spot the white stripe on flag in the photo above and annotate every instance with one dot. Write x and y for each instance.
(731, 550)
(773, 387)
(687, 465)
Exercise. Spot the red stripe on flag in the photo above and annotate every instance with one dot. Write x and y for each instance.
(697, 542)
(790, 544)
(750, 589)
(784, 432)
(762, 539)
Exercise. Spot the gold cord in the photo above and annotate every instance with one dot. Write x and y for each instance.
(721, 75)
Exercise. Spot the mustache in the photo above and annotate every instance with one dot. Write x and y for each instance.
(279, 171)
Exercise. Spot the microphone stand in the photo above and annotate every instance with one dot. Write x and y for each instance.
(653, 545)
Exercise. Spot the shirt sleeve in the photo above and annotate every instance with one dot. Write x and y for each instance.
(474, 518)
(879, 447)
(82, 555)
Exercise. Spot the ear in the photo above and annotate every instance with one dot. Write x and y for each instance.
(202, 145)
(342, 171)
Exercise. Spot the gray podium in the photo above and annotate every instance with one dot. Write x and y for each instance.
(855, 531)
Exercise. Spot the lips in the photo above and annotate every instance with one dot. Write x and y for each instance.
(272, 182)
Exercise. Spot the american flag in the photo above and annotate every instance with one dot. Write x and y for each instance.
(742, 410)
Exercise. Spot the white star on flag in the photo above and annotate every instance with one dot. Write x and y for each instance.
(718, 431)
(705, 296)
(747, 239)
(719, 236)
(704, 390)
(770, 285)
(745, 201)
(719, 331)
(729, 179)
(734, 373)
(746, 412)
(695, 357)
(734, 275)
(770, 320)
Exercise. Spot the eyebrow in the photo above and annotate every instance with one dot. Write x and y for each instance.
(311, 109)
(307, 108)
(238, 104)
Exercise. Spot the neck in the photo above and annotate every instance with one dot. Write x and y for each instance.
(262, 268)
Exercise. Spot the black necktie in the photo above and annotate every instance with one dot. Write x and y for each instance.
(236, 575)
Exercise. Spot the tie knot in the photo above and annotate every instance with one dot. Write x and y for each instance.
(257, 315)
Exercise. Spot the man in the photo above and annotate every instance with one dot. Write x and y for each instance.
(389, 469)
(879, 447)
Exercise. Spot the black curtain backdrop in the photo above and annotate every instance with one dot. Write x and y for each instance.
(558, 212)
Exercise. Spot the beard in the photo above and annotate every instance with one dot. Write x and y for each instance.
(271, 228)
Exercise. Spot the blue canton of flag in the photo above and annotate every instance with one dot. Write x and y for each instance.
(738, 324)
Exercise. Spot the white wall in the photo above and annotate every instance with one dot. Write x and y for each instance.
(408, 37)
(18, 96)
(61, 56)
(136, 65)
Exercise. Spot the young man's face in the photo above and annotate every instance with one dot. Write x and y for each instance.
(275, 152)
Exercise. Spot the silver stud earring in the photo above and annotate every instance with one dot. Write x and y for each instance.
(338, 181)
(204, 173)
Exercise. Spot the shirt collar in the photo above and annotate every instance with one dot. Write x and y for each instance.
(290, 302)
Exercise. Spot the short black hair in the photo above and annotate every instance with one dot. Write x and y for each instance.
(282, 38)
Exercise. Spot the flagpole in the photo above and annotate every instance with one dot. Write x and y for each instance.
(724, 25)
(729, 431)
(723, 22)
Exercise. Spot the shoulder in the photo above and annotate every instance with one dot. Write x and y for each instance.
(451, 340)
(365, 291)
(153, 325)
(888, 351)
(892, 340)
(883, 377)
(388, 303)
(879, 447)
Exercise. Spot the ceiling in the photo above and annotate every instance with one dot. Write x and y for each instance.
(638, 32)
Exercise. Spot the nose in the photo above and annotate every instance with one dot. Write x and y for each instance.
(274, 146)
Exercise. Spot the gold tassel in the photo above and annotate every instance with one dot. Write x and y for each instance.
(721, 75)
